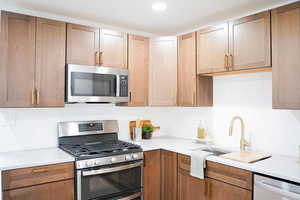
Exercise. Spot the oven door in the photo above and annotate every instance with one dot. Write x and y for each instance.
(94, 84)
(113, 182)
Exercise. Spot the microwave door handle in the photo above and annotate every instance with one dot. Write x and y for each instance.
(277, 190)
(118, 86)
(110, 170)
(133, 196)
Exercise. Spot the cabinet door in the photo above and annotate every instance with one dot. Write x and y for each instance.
(50, 62)
(163, 72)
(190, 188)
(217, 190)
(168, 175)
(152, 175)
(212, 47)
(187, 70)
(113, 47)
(249, 42)
(285, 55)
(51, 191)
(138, 70)
(82, 45)
(17, 60)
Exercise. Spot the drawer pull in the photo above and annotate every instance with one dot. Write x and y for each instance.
(35, 171)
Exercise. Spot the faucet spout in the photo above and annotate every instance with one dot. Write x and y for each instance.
(243, 141)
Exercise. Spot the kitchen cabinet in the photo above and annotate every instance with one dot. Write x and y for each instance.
(92, 46)
(168, 175)
(152, 175)
(113, 48)
(32, 61)
(50, 63)
(285, 56)
(138, 66)
(163, 72)
(17, 60)
(193, 90)
(250, 42)
(50, 182)
(212, 49)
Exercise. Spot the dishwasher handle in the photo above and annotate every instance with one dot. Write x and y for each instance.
(277, 190)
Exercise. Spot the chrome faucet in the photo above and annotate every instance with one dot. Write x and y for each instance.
(243, 142)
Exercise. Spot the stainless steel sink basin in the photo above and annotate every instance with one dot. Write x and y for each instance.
(216, 152)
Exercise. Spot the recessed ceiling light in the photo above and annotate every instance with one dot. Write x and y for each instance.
(159, 6)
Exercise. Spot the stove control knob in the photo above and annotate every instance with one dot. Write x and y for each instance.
(89, 164)
(113, 160)
(128, 157)
(135, 156)
(96, 163)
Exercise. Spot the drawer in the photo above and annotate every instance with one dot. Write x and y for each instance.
(234, 176)
(61, 190)
(36, 175)
(184, 162)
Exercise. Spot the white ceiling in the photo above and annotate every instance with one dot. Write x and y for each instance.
(180, 16)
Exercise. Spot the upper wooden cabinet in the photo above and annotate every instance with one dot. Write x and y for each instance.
(50, 62)
(17, 60)
(212, 49)
(92, 46)
(163, 72)
(285, 56)
(113, 48)
(250, 42)
(32, 61)
(138, 70)
(152, 175)
(83, 45)
(193, 90)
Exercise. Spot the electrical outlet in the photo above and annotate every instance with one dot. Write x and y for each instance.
(7, 118)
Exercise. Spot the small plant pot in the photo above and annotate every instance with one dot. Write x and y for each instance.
(147, 136)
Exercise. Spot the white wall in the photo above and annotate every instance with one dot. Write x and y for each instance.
(250, 96)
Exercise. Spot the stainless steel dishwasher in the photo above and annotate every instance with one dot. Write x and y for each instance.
(266, 188)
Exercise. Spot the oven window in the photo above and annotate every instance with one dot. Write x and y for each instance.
(110, 185)
(90, 84)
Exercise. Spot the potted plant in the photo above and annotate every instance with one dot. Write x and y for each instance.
(147, 131)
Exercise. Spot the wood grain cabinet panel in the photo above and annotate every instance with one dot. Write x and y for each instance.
(163, 72)
(212, 47)
(217, 190)
(50, 63)
(168, 175)
(138, 70)
(285, 56)
(62, 190)
(193, 90)
(17, 60)
(152, 175)
(250, 42)
(113, 48)
(83, 45)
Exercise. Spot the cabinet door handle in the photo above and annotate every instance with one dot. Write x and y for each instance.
(37, 97)
(129, 97)
(33, 96)
(226, 61)
(230, 60)
(97, 57)
(35, 171)
(100, 57)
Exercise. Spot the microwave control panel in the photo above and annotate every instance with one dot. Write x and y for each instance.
(123, 86)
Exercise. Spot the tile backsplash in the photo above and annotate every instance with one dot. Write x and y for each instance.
(249, 96)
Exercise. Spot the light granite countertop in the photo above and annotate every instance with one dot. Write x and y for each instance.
(283, 167)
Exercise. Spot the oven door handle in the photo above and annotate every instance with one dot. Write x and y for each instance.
(136, 195)
(113, 169)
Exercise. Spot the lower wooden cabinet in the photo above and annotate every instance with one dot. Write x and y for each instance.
(50, 182)
(62, 190)
(168, 175)
(152, 175)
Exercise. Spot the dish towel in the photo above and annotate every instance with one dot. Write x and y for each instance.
(198, 163)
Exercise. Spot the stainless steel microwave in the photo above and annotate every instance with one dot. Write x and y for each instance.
(96, 84)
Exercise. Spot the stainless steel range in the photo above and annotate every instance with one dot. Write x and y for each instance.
(107, 168)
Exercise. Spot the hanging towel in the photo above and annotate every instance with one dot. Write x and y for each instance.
(198, 163)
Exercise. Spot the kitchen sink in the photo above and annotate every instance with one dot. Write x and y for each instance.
(216, 152)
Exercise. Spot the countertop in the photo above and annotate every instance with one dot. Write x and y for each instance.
(283, 167)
